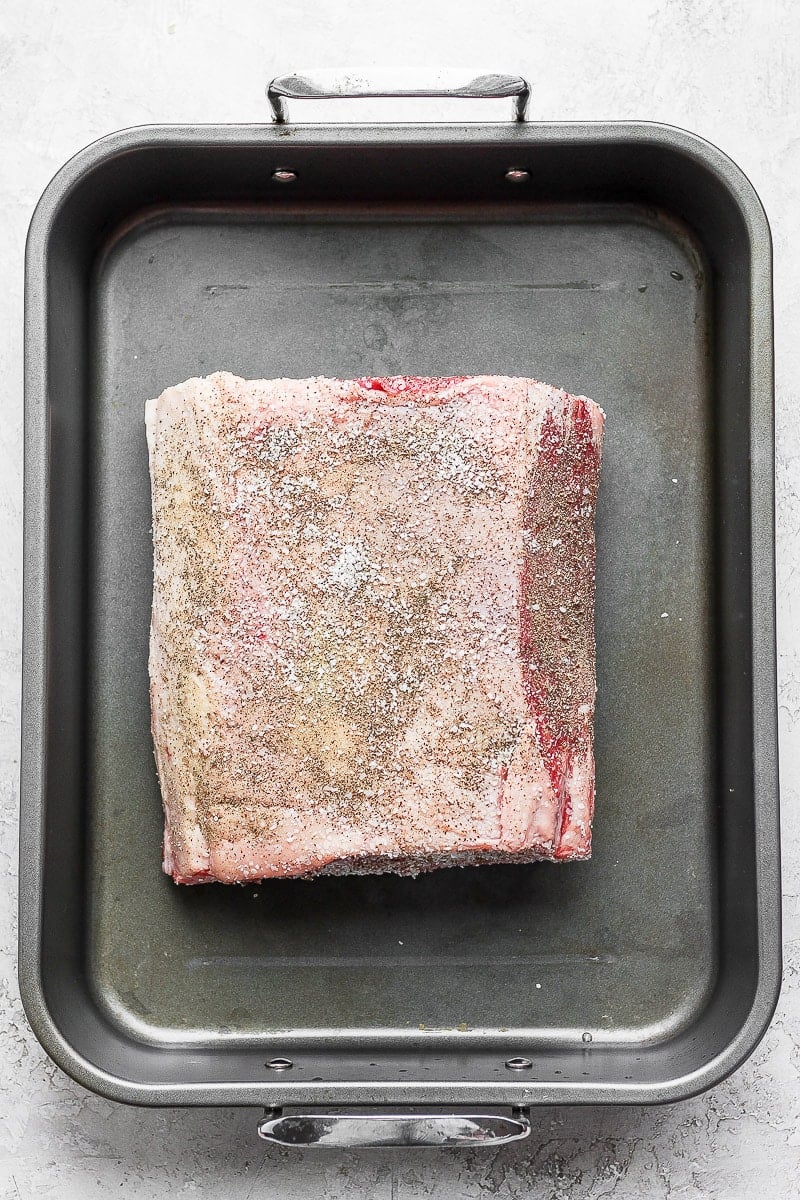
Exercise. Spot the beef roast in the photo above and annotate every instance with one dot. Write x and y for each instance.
(372, 640)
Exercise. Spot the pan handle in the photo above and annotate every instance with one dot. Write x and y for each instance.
(333, 85)
(374, 1128)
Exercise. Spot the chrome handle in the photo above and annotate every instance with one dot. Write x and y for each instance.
(363, 1129)
(333, 85)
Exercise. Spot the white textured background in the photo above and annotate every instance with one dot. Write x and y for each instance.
(730, 71)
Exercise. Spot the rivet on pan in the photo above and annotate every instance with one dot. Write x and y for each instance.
(517, 175)
(519, 1064)
(284, 175)
(279, 1064)
(586, 1037)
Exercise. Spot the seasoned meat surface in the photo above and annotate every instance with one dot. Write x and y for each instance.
(372, 639)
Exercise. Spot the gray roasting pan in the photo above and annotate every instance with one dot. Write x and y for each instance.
(628, 262)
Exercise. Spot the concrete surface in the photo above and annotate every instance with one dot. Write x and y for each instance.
(72, 71)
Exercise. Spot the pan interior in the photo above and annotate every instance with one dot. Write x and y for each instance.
(609, 302)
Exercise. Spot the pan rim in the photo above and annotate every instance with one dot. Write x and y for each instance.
(763, 634)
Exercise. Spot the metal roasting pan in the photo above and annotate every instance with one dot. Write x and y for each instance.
(628, 262)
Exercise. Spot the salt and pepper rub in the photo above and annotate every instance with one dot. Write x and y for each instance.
(372, 641)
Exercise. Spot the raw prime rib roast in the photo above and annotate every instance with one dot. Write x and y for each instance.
(372, 642)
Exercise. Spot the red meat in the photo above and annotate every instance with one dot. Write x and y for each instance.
(372, 640)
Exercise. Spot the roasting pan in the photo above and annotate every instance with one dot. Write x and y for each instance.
(628, 262)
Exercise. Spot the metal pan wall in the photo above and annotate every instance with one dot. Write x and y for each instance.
(629, 263)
